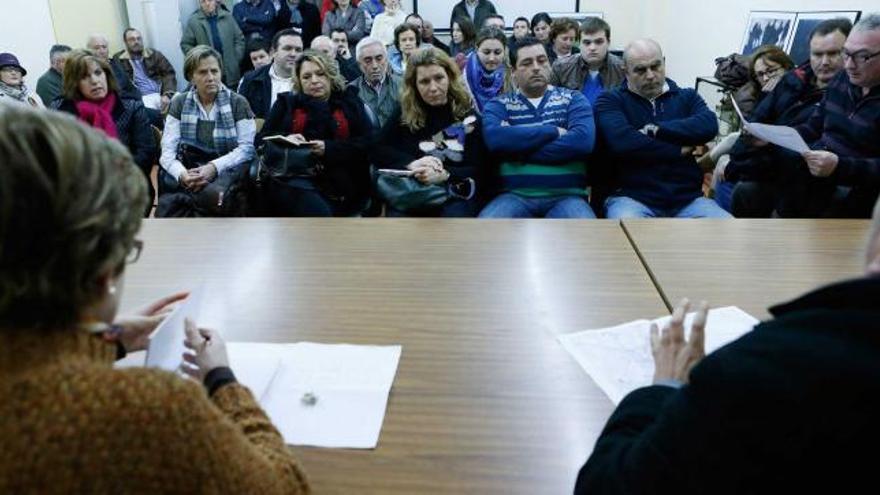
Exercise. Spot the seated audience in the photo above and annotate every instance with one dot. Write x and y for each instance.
(49, 85)
(541, 135)
(563, 38)
(12, 86)
(541, 23)
(406, 41)
(429, 38)
(475, 11)
(150, 71)
(300, 15)
(377, 87)
(767, 65)
(650, 126)
(262, 86)
(521, 29)
(385, 23)
(258, 53)
(66, 411)
(208, 141)
(330, 121)
(98, 45)
(464, 35)
(842, 135)
(486, 71)
(435, 135)
(347, 18)
(596, 69)
(257, 19)
(212, 25)
(787, 408)
(791, 103)
(494, 20)
(348, 65)
(92, 95)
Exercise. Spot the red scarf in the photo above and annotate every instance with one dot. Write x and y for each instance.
(99, 114)
(301, 118)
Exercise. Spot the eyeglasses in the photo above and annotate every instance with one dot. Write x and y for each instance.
(768, 74)
(136, 247)
(859, 58)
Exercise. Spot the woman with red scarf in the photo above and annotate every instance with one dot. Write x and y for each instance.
(330, 121)
(91, 93)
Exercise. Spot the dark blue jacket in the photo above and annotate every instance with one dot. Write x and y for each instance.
(653, 170)
(256, 22)
(256, 87)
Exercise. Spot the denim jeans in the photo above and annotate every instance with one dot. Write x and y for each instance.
(625, 207)
(510, 205)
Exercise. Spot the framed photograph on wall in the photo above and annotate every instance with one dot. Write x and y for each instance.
(799, 43)
(577, 17)
(767, 28)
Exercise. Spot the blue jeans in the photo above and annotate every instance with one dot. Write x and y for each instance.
(625, 207)
(510, 205)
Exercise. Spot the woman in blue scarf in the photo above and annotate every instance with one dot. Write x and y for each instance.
(486, 70)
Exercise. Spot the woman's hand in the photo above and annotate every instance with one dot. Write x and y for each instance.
(318, 147)
(297, 139)
(207, 351)
(133, 331)
(771, 84)
(674, 357)
(426, 162)
(430, 175)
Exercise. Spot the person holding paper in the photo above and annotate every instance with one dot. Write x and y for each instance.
(650, 127)
(787, 408)
(840, 176)
(70, 210)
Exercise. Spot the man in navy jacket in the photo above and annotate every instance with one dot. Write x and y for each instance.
(650, 127)
(787, 408)
(261, 87)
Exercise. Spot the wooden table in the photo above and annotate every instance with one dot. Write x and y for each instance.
(485, 399)
(752, 264)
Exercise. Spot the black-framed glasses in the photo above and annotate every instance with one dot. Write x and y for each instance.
(768, 74)
(136, 247)
(859, 58)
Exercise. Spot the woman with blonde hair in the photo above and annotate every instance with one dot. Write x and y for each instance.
(70, 208)
(435, 137)
(327, 119)
(91, 93)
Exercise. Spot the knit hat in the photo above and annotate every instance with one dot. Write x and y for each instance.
(9, 60)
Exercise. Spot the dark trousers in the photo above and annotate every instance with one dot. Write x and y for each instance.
(296, 200)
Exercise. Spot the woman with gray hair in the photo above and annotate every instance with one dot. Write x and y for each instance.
(70, 212)
(207, 143)
(328, 121)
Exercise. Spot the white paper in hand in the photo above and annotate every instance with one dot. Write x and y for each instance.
(619, 358)
(166, 347)
(779, 135)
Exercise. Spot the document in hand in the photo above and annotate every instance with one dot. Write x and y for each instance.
(166, 348)
(779, 135)
(619, 358)
(319, 394)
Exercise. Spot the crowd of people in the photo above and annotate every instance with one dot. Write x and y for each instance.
(556, 124)
(487, 126)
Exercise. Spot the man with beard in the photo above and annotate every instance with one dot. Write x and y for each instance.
(150, 71)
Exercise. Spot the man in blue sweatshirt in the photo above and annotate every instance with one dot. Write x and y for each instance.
(650, 127)
(541, 136)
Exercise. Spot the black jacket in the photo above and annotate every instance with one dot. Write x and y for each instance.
(311, 26)
(256, 87)
(484, 9)
(346, 172)
(791, 103)
(788, 408)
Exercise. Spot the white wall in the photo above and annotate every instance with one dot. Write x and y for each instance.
(26, 31)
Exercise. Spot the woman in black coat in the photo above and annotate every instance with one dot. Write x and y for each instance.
(330, 121)
(91, 93)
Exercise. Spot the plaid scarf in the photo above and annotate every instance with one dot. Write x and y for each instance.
(20, 93)
(225, 134)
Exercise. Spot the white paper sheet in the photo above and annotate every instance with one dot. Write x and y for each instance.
(351, 384)
(779, 135)
(255, 365)
(166, 348)
(619, 358)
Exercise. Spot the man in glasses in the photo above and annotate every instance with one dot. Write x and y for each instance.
(842, 173)
(791, 103)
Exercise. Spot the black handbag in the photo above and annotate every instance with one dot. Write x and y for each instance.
(223, 197)
(283, 163)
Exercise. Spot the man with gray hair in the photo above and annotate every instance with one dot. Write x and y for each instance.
(376, 87)
(650, 127)
(49, 85)
(99, 45)
(840, 176)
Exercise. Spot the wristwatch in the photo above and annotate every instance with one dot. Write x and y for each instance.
(651, 130)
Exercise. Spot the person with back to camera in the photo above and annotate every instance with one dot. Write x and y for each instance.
(70, 211)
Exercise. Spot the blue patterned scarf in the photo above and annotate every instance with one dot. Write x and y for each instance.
(484, 85)
(225, 134)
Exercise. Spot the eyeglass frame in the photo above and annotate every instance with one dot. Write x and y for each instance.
(769, 73)
(865, 57)
(134, 254)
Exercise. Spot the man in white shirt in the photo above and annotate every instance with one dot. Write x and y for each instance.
(262, 86)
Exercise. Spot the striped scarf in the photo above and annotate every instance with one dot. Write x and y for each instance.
(225, 135)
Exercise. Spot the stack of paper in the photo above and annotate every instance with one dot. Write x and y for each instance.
(619, 358)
